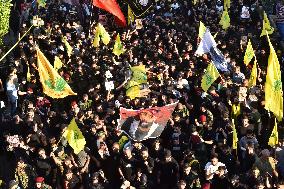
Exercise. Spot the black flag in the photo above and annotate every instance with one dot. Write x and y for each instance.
(139, 7)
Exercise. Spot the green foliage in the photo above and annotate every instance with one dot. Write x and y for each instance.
(5, 6)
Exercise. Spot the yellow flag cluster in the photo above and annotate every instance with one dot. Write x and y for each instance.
(266, 26)
(53, 85)
(225, 20)
(57, 63)
(235, 136)
(273, 85)
(202, 30)
(75, 137)
(131, 16)
(273, 139)
(67, 45)
(118, 48)
(253, 75)
(249, 53)
(209, 77)
(101, 33)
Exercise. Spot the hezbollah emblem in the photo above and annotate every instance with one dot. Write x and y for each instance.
(58, 85)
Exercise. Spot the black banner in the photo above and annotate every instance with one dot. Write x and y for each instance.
(139, 7)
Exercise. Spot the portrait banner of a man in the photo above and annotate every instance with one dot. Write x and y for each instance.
(146, 123)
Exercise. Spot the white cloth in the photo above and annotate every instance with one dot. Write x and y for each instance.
(209, 168)
(245, 12)
(206, 43)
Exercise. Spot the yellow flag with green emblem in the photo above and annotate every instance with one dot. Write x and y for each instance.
(57, 63)
(67, 45)
(75, 137)
(235, 136)
(249, 53)
(266, 26)
(209, 77)
(253, 75)
(202, 30)
(236, 110)
(41, 3)
(273, 139)
(225, 20)
(118, 48)
(273, 85)
(53, 84)
(101, 34)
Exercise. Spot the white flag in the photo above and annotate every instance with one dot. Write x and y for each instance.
(206, 44)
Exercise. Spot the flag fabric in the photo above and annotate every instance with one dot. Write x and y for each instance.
(41, 3)
(138, 77)
(202, 30)
(249, 54)
(273, 139)
(235, 137)
(236, 110)
(139, 7)
(53, 85)
(147, 123)
(209, 77)
(112, 7)
(118, 48)
(57, 63)
(28, 74)
(253, 75)
(273, 85)
(75, 137)
(67, 45)
(194, 2)
(225, 20)
(101, 33)
(208, 45)
(131, 16)
(227, 4)
(266, 26)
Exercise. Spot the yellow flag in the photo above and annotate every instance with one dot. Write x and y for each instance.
(52, 84)
(194, 2)
(118, 48)
(67, 45)
(253, 74)
(202, 30)
(273, 139)
(249, 53)
(138, 76)
(273, 85)
(236, 110)
(225, 20)
(235, 136)
(101, 33)
(266, 26)
(131, 16)
(57, 63)
(28, 74)
(227, 4)
(75, 137)
(209, 77)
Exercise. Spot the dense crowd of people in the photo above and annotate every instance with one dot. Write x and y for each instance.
(195, 149)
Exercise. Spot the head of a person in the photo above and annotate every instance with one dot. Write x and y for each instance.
(145, 153)
(167, 155)
(68, 174)
(85, 97)
(21, 163)
(255, 172)
(115, 147)
(127, 153)
(214, 159)
(95, 178)
(181, 184)
(41, 153)
(265, 154)
(249, 134)
(221, 170)
(187, 168)
(260, 185)
(39, 182)
(280, 185)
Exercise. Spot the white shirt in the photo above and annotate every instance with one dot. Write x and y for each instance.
(209, 168)
(245, 12)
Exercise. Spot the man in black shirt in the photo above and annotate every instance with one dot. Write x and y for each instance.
(127, 166)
